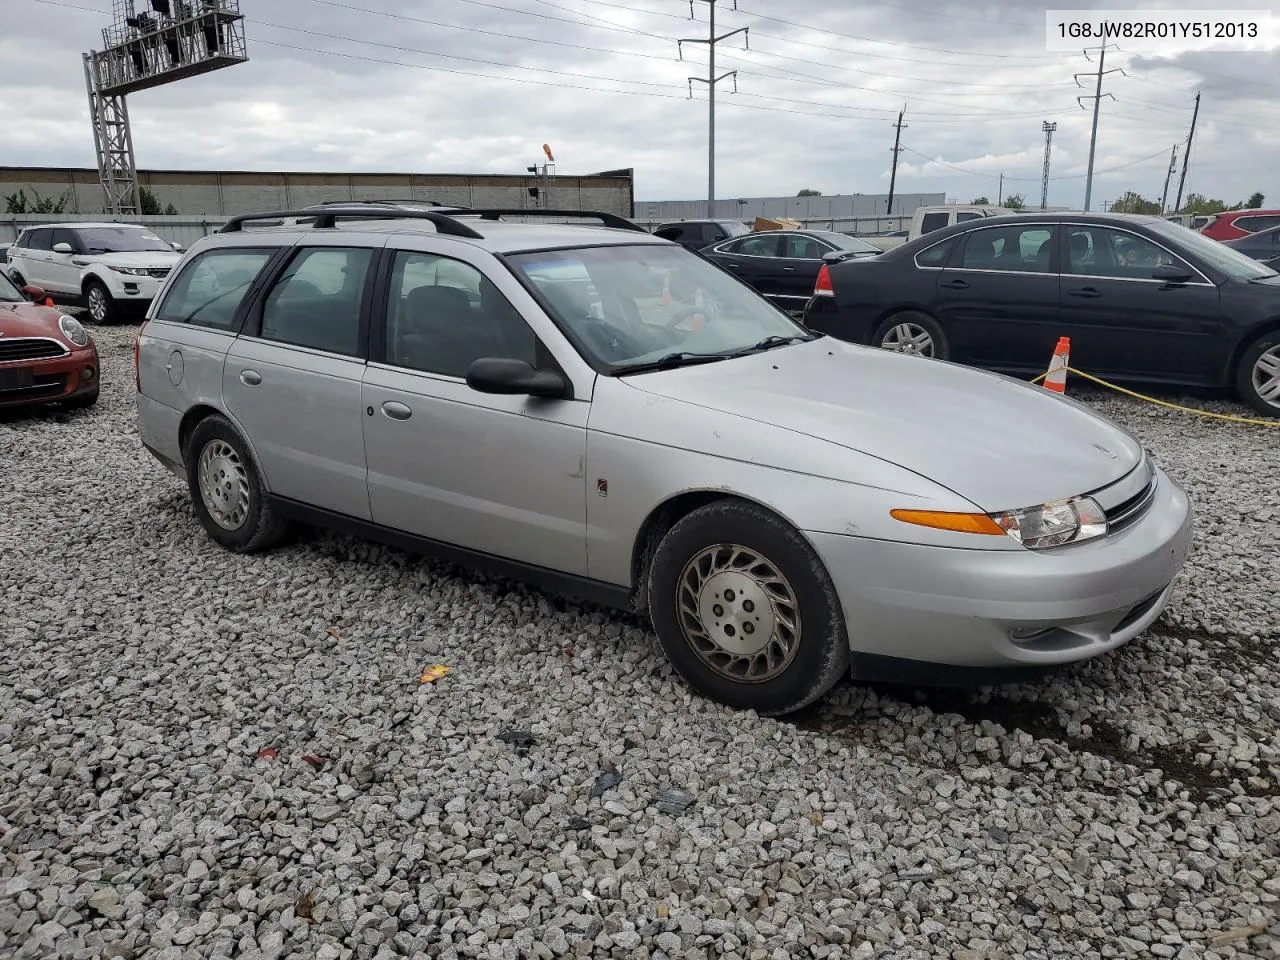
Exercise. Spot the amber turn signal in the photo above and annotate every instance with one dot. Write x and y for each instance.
(958, 522)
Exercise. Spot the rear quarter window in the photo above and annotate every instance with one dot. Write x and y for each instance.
(209, 290)
(938, 254)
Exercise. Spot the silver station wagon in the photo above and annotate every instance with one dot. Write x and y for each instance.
(603, 413)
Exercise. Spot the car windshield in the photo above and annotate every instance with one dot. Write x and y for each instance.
(121, 240)
(737, 229)
(8, 292)
(845, 242)
(631, 306)
(1233, 263)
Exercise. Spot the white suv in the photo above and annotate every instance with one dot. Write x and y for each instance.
(105, 266)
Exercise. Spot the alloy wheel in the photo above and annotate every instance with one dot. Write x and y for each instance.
(1266, 376)
(97, 304)
(908, 338)
(224, 484)
(738, 613)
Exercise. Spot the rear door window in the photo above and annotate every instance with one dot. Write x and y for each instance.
(209, 290)
(758, 247)
(1015, 249)
(1254, 224)
(40, 240)
(317, 301)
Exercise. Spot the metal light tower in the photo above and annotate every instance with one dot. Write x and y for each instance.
(172, 40)
(1048, 129)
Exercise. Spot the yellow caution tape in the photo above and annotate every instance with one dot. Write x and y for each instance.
(1165, 403)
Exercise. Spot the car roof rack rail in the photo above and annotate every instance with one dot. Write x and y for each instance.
(388, 203)
(327, 219)
(607, 219)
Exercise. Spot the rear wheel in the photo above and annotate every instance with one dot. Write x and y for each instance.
(745, 610)
(227, 489)
(913, 333)
(1258, 376)
(102, 306)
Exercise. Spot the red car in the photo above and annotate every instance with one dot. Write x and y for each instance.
(45, 355)
(1233, 224)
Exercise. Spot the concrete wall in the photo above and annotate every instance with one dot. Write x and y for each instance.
(220, 193)
(812, 210)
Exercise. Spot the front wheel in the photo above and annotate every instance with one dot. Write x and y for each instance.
(913, 333)
(745, 610)
(1258, 376)
(227, 489)
(102, 306)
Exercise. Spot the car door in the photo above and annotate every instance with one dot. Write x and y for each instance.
(800, 260)
(36, 262)
(292, 378)
(64, 270)
(998, 297)
(756, 262)
(1122, 321)
(502, 475)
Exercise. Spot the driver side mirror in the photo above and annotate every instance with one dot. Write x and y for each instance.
(835, 256)
(515, 378)
(1171, 274)
(33, 293)
(177, 246)
(63, 248)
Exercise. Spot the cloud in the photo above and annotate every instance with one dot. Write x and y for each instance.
(480, 85)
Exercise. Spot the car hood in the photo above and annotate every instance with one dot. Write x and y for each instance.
(157, 259)
(997, 442)
(29, 320)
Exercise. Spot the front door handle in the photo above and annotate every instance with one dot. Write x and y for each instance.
(396, 411)
(788, 269)
(250, 378)
(733, 266)
(955, 284)
(1087, 292)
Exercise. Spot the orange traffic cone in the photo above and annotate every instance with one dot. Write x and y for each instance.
(1056, 379)
(666, 291)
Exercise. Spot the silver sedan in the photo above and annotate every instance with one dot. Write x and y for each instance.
(603, 412)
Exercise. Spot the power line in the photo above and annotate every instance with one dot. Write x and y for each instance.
(991, 176)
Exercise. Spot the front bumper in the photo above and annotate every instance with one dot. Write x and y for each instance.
(127, 287)
(62, 378)
(933, 608)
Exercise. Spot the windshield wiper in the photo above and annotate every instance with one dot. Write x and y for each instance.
(672, 360)
(768, 343)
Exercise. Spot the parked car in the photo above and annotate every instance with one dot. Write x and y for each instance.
(783, 264)
(1263, 245)
(108, 267)
(1234, 224)
(696, 234)
(45, 355)
(521, 397)
(1141, 298)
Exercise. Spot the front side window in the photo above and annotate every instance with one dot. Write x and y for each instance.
(316, 301)
(122, 239)
(798, 247)
(67, 237)
(8, 292)
(1020, 249)
(209, 290)
(627, 306)
(1102, 252)
(443, 315)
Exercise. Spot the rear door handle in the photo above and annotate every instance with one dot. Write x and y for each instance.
(788, 269)
(396, 411)
(734, 266)
(1087, 292)
(955, 284)
(250, 378)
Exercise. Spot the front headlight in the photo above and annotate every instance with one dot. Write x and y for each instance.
(73, 331)
(1054, 524)
(1049, 525)
(131, 271)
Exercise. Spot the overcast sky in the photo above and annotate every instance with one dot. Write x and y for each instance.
(470, 86)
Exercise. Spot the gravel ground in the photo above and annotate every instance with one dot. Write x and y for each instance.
(209, 755)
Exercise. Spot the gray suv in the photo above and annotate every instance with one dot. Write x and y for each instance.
(607, 414)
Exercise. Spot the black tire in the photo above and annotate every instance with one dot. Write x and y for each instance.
(940, 347)
(102, 311)
(262, 526)
(83, 400)
(821, 652)
(1245, 379)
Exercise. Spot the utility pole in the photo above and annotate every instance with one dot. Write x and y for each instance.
(1173, 162)
(1186, 156)
(711, 80)
(1000, 194)
(1048, 129)
(1097, 102)
(893, 175)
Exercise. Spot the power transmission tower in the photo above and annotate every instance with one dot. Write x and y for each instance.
(897, 149)
(1173, 162)
(1097, 102)
(711, 80)
(1048, 129)
(1186, 156)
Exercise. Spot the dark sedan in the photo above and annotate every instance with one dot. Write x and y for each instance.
(1142, 299)
(783, 264)
(1263, 245)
